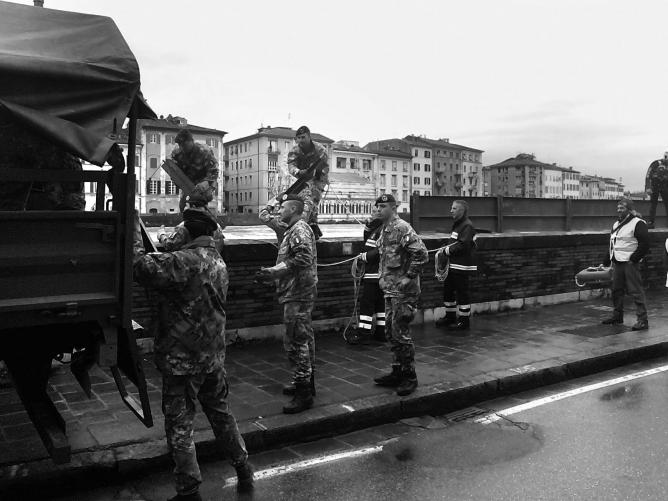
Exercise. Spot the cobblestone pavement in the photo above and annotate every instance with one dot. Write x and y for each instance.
(499, 342)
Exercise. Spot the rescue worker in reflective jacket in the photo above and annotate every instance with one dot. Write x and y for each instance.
(460, 250)
(372, 300)
(402, 255)
(190, 348)
(629, 243)
(198, 163)
(296, 277)
(309, 160)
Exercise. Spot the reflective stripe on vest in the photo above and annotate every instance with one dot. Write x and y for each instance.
(623, 242)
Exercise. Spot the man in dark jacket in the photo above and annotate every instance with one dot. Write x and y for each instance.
(372, 300)
(629, 243)
(656, 183)
(460, 251)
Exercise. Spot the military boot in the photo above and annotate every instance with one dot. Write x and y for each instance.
(289, 389)
(408, 383)
(302, 400)
(392, 379)
(244, 477)
(448, 320)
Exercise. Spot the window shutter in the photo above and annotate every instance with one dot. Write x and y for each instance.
(157, 183)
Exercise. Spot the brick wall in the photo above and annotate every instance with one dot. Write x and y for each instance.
(511, 266)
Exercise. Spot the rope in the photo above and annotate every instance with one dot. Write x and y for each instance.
(357, 271)
(441, 272)
(326, 265)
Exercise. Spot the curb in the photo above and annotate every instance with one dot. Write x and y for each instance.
(88, 468)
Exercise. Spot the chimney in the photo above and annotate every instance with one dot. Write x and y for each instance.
(38, 3)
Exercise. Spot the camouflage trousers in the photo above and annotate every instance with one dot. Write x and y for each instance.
(299, 342)
(399, 312)
(178, 405)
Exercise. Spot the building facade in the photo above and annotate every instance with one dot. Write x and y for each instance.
(256, 167)
(394, 170)
(155, 191)
(455, 170)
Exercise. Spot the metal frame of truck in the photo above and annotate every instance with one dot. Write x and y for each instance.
(66, 276)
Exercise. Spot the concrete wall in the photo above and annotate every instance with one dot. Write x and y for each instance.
(515, 271)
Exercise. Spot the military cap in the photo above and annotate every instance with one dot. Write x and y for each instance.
(386, 199)
(627, 202)
(303, 130)
(183, 135)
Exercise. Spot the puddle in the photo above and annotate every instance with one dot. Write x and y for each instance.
(464, 445)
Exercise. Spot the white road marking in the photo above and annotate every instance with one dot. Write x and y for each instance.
(308, 463)
(495, 416)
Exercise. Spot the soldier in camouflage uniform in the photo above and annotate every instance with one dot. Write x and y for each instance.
(190, 348)
(304, 155)
(296, 278)
(198, 163)
(22, 148)
(656, 183)
(181, 236)
(402, 255)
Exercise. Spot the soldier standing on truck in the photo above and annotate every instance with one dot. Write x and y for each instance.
(402, 254)
(190, 348)
(296, 277)
(656, 184)
(308, 161)
(198, 163)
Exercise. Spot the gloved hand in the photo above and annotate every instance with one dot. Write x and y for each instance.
(263, 276)
(362, 257)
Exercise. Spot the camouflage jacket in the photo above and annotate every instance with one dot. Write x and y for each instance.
(199, 165)
(22, 148)
(192, 288)
(181, 237)
(657, 176)
(298, 160)
(402, 254)
(274, 223)
(298, 252)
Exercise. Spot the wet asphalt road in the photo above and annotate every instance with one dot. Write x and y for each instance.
(608, 444)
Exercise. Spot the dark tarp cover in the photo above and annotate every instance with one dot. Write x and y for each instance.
(70, 77)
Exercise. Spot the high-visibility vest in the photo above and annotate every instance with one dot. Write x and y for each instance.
(623, 242)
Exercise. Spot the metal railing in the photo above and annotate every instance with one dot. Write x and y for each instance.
(509, 214)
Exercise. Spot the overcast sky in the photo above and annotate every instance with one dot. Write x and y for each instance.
(579, 82)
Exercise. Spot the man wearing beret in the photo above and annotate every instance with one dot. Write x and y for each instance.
(191, 283)
(308, 160)
(181, 236)
(629, 243)
(296, 278)
(198, 163)
(402, 254)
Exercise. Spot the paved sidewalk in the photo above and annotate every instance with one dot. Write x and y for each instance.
(503, 353)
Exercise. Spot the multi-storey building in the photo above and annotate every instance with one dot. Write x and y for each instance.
(521, 176)
(256, 167)
(393, 170)
(592, 187)
(613, 190)
(155, 191)
(571, 183)
(455, 170)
